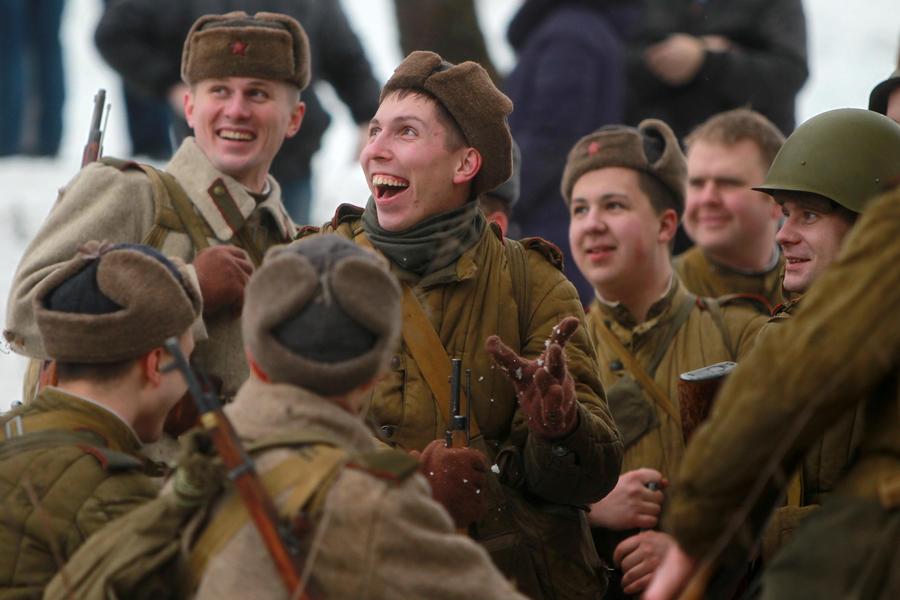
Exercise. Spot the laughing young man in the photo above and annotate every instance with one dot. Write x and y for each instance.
(245, 75)
(439, 139)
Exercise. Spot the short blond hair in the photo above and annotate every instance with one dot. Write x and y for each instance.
(731, 127)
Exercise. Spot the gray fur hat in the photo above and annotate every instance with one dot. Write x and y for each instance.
(650, 148)
(266, 45)
(322, 314)
(112, 303)
(474, 102)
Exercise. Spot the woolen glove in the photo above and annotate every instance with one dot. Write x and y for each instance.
(457, 477)
(545, 389)
(222, 272)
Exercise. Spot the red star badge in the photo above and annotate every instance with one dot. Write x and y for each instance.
(238, 48)
(593, 148)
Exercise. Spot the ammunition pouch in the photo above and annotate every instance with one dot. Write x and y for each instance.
(634, 415)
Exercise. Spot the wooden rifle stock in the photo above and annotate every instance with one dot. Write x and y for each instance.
(696, 392)
(276, 535)
(94, 146)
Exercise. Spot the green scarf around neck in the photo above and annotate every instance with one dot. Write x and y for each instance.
(429, 245)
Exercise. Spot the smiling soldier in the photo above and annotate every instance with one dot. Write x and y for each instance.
(215, 205)
(624, 188)
(439, 139)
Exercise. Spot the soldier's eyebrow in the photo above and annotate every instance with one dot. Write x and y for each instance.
(399, 119)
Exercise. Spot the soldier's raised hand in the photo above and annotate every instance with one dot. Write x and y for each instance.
(544, 387)
(222, 272)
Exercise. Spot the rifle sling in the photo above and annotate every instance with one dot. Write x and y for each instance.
(428, 351)
(303, 474)
(192, 223)
(646, 381)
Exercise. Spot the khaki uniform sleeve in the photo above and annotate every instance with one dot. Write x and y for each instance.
(100, 203)
(828, 359)
(415, 553)
(584, 466)
(743, 324)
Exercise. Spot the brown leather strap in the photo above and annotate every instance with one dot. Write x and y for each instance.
(631, 364)
(428, 351)
(235, 220)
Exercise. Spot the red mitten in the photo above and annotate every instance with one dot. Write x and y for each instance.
(457, 477)
(545, 389)
(222, 272)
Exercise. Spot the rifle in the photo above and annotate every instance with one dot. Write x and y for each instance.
(458, 433)
(93, 149)
(276, 534)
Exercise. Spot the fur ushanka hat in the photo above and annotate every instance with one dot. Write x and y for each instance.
(650, 148)
(266, 45)
(113, 303)
(322, 314)
(474, 102)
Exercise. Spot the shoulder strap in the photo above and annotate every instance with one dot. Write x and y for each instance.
(631, 364)
(518, 274)
(393, 465)
(173, 208)
(110, 460)
(302, 474)
(678, 319)
(428, 351)
(715, 311)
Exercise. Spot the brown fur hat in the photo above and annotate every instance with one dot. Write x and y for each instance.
(474, 102)
(322, 314)
(114, 303)
(266, 45)
(621, 146)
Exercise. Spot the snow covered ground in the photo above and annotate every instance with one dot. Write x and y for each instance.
(851, 49)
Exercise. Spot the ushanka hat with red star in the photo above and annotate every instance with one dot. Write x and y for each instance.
(266, 45)
(651, 148)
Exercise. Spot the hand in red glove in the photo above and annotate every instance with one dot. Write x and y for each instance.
(457, 477)
(545, 389)
(222, 272)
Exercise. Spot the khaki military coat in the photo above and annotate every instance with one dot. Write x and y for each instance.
(705, 277)
(699, 342)
(375, 537)
(841, 350)
(105, 203)
(52, 497)
(535, 529)
(823, 465)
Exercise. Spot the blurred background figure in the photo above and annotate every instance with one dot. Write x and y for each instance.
(885, 97)
(691, 59)
(142, 40)
(31, 78)
(448, 27)
(497, 204)
(148, 120)
(569, 80)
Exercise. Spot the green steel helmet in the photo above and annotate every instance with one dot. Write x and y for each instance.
(847, 155)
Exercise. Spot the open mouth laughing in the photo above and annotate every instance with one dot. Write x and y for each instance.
(388, 186)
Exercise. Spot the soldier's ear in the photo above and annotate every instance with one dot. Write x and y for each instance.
(468, 166)
(668, 225)
(150, 366)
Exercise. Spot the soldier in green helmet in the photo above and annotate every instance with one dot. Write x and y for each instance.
(806, 410)
(823, 177)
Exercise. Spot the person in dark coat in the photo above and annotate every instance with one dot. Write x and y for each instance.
(691, 59)
(568, 81)
(142, 40)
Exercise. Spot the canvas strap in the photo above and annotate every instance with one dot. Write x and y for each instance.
(303, 473)
(646, 381)
(426, 348)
